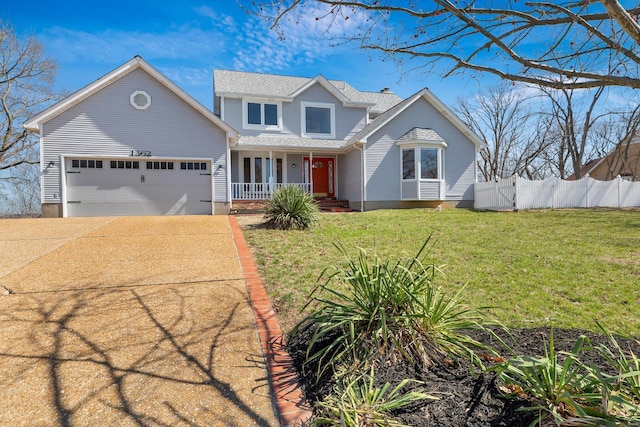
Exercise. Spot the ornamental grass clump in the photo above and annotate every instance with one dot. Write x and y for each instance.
(388, 310)
(357, 402)
(291, 208)
(565, 388)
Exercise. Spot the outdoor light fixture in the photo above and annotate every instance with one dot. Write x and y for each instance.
(219, 168)
(51, 163)
(293, 165)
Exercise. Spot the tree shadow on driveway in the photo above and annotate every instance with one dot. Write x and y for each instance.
(182, 354)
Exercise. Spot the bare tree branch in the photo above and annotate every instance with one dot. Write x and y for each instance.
(26, 78)
(569, 44)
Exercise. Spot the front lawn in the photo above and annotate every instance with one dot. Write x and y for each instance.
(560, 268)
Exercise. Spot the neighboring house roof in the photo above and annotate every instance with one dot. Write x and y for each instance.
(585, 169)
(245, 84)
(393, 112)
(613, 160)
(35, 123)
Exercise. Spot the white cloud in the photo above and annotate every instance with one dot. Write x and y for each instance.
(300, 39)
(188, 76)
(114, 45)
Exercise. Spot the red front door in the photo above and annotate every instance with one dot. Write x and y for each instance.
(322, 172)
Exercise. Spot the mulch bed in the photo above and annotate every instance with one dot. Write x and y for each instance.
(466, 398)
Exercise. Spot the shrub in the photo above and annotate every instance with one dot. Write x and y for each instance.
(575, 392)
(389, 310)
(357, 402)
(291, 208)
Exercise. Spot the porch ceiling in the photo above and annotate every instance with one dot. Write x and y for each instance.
(290, 143)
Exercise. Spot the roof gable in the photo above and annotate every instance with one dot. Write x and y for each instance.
(632, 150)
(396, 110)
(35, 123)
(239, 84)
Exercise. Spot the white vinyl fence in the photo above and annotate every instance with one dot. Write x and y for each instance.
(520, 193)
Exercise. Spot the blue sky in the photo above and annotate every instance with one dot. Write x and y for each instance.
(186, 40)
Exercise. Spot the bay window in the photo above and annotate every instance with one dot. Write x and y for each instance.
(422, 171)
(429, 166)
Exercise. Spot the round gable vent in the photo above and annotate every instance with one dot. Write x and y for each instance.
(140, 100)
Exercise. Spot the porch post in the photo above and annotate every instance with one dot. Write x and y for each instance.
(311, 172)
(270, 177)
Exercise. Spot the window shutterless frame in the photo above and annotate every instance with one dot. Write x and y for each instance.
(261, 114)
(318, 120)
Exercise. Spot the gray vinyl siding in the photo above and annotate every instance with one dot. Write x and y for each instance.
(383, 155)
(106, 125)
(409, 190)
(295, 174)
(348, 120)
(429, 190)
(349, 176)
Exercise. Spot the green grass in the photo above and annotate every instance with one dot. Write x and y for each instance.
(563, 268)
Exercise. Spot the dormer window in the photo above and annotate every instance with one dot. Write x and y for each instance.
(318, 120)
(263, 115)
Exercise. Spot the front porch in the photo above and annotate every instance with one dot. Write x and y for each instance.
(253, 197)
(261, 191)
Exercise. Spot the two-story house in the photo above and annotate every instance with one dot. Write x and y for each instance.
(134, 143)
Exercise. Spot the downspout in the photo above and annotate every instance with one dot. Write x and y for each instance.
(363, 169)
(228, 167)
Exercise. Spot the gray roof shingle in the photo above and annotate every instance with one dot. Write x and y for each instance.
(421, 134)
(272, 85)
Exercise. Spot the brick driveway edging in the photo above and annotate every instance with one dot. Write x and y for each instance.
(290, 405)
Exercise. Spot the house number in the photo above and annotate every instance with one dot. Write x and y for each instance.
(136, 153)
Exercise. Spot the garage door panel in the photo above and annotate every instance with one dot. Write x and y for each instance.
(115, 192)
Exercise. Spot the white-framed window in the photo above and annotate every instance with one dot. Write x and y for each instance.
(258, 170)
(260, 114)
(318, 120)
(422, 162)
(409, 164)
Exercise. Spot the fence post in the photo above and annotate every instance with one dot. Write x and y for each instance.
(587, 183)
(515, 191)
(618, 179)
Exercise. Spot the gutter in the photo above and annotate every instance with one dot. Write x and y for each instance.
(361, 146)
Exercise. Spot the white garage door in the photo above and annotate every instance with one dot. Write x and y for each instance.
(106, 187)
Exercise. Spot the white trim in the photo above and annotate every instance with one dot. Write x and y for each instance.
(417, 149)
(303, 119)
(63, 171)
(422, 143)
(35, 123)
(261, 102)
(42, 171)
(320, 79)
(63, 189)
(435, 102)
(132, 100)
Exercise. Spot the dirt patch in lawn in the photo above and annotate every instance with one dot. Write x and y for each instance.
(465, 398)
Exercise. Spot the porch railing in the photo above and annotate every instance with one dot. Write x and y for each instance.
(260, 191)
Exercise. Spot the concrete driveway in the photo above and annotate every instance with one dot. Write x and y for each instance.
(127, 321)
